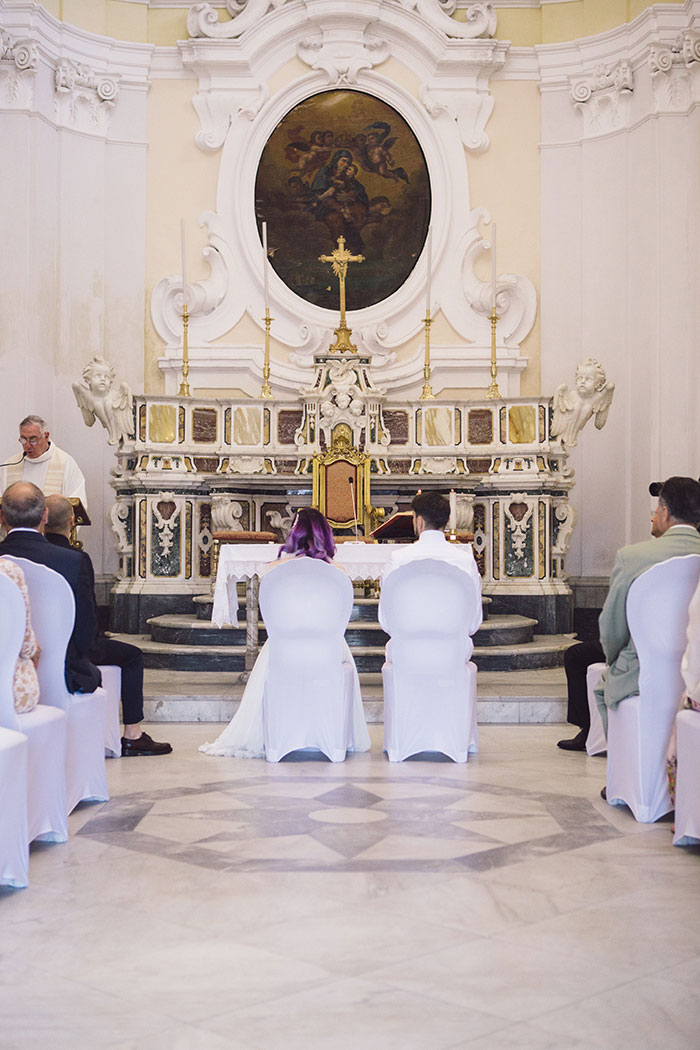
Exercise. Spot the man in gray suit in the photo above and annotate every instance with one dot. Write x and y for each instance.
(675, 528)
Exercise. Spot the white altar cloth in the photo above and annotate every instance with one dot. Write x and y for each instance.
(242, 561)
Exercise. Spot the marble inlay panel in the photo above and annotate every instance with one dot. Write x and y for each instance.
(247, 425)
(437, 425)
(480, 427)
(307, 819)
(162, 424)
(522, 424)
(396, 423)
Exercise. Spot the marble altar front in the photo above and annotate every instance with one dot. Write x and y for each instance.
(198, 464)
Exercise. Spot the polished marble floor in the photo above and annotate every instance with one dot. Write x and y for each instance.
(220, 904)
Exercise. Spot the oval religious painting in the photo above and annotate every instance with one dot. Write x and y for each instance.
(343, 163)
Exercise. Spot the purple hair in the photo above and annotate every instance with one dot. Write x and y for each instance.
(310, 536)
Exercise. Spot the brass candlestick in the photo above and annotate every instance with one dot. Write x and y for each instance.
(184, 385)
(266, 391)
(493, 390)
(427, 389)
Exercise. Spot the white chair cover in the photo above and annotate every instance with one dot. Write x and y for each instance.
(595, 741)
(112, 685)
(14, 831)
(53, 614)
(308, 697)
(429, 681)
(639, 728)
(14, 843)
(43, 728)
(687, 831)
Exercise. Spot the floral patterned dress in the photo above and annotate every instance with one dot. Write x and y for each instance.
(26, 684)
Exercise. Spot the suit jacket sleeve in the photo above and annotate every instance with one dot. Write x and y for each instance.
(85, 630)
(614, 629)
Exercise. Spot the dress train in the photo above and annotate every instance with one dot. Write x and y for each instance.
(243, 736)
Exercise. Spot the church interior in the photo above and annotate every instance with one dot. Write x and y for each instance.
(267, 255)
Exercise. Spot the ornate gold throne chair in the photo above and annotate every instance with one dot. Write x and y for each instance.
(335, 473)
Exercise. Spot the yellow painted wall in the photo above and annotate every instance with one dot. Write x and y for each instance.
(506, 180)
(181, 183)
(524, 27)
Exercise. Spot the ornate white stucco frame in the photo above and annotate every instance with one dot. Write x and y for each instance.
(343, 45)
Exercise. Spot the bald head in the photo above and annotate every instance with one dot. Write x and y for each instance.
(60, 515)
(23, 506)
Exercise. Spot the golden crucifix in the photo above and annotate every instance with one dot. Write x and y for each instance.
(340, 258)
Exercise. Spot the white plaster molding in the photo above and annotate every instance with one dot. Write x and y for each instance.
(203, 20)
(603, 98)
(343, 45)
(240, 368)
(673, 68)
(84, 98)
(480, 17)
(19, 59)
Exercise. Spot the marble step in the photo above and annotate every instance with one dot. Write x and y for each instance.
(544, 651)
(362, 609)
(176, 629)
(209, 696)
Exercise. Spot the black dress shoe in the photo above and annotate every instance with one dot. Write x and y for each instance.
(144, 746)
(577, 743)
(604, 794)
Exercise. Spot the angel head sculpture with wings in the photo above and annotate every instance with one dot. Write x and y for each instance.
(97, 400)
(592, 396)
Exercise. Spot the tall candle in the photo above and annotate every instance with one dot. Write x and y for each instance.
(453, 509)
(493, 269)
(430, 266)
(264, 240)
(184, 260)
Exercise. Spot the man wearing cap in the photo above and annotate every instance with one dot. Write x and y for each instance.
(674, 526)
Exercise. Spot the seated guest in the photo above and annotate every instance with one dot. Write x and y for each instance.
(577, 659)
(23, 513)
(674, 526)
(309, 537)
(129, 658)
(431, 512)
(26, 683)
(674, 523)
(690, 669)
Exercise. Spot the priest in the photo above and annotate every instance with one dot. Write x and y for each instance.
(43, 463)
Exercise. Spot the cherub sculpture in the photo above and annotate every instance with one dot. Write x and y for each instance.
(97, 400)
(592, 396)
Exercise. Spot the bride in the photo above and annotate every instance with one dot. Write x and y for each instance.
(309, 537)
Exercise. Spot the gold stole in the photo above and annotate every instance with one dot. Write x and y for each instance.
(54, 476)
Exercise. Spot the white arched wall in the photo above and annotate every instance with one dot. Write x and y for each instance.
(620, 261)
(74, 213)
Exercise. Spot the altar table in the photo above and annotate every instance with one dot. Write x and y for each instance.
(248, 561)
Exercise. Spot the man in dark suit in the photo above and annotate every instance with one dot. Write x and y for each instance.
(23, 513)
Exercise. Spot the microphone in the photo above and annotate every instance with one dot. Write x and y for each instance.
(14, 462)
(351, 481)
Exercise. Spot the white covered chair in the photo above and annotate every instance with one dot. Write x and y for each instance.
(308, 697)
(53, 614)
(687, 831)
(44, 729)
(595, 741)
(14, 841)
(112, 685)
(14, 831)
(639, 728)
(429, 680)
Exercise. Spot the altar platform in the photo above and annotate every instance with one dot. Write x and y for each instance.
(532, 697)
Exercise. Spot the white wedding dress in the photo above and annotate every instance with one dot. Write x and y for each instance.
(243, 736)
